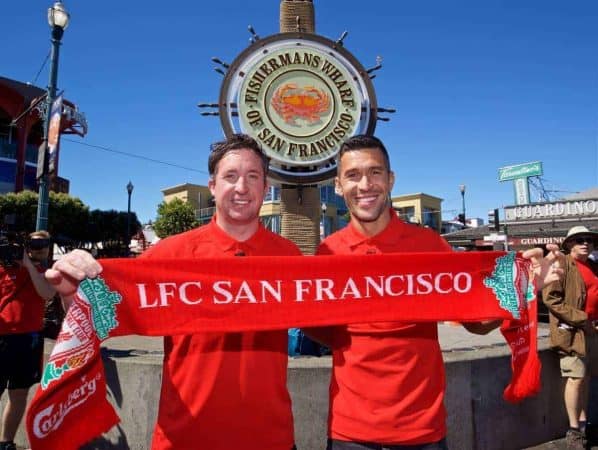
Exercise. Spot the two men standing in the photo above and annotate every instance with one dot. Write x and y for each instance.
(228, 390)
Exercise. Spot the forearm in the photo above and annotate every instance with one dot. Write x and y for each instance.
(481, 327)
(40, 284)
(67, 301)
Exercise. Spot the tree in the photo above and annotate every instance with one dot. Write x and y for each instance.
(68, 216)
(69, 221)
(174, 217)
(108, 229)
(18, 211)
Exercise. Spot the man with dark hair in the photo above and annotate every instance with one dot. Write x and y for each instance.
(387, 386)
(573, 313)
(24, 291)
(235, 142)
(402, 360)
(220, 391)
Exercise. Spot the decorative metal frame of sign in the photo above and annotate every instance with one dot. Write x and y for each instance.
(300, 96)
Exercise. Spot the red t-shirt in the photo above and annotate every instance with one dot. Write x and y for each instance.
(21, 308)
(591, 281)
(222, 391)
(388, 378)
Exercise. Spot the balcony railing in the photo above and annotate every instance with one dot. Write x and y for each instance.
(205, 213)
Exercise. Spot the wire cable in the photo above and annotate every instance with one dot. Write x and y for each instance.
(132, 155)
(41, 68)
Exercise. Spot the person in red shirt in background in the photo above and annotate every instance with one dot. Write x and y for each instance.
(388, 382)
(23, 293)
(220, 391)
(573, 310)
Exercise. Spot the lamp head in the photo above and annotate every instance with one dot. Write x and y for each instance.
(130, 187)
(58, 16)
(462, 188)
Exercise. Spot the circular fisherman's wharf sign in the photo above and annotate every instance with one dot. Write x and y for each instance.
(300, 97)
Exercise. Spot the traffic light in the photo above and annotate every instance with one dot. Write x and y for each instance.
(494, 220)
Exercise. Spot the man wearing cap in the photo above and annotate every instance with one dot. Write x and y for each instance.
(573, 306)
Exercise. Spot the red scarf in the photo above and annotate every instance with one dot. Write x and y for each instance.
(166, 297)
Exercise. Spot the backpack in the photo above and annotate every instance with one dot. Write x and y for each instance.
(300, 344)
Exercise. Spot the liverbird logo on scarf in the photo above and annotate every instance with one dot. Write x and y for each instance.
(510, 284)
(93, 316)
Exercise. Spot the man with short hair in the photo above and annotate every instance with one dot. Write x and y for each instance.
(24, 291)
(388, 382)
(220, 391)
(573, 313)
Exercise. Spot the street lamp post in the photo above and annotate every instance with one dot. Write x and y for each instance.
(462, 189)
(58, 19)
(128, 238)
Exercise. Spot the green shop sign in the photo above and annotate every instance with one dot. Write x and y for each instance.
(532, 169)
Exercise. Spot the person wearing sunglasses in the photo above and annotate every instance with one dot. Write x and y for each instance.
(23, 293)
(573, 310)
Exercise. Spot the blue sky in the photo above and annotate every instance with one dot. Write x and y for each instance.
(477, 86)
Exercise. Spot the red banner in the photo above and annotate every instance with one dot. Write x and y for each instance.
(166, 297)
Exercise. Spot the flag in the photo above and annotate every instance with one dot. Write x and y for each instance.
(54, 134)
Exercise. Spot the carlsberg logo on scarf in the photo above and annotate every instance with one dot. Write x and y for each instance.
(156, 297)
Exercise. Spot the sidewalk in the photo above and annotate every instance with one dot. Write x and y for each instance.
(552, 445)
(556, 445)
(453, 338)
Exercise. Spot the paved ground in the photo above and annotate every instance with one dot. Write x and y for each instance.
(452, 337)
(557, 445)
(552, 445)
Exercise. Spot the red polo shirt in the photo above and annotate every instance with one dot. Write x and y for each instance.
(21, 308)
(591, 281)
(224, 391)
(388, 378)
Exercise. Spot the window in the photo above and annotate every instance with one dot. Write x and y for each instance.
(273, 194)
(272, 223)
(406, 213)
(431, 218)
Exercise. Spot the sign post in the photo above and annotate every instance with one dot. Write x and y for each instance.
(520, 173)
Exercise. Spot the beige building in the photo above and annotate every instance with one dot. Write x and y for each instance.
(420, 208)
(198, 196)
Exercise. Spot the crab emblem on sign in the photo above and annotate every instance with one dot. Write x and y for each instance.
(292, 102)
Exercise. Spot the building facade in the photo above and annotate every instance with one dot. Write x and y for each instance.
(422, 209)
(22, 110)
(532, 225)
